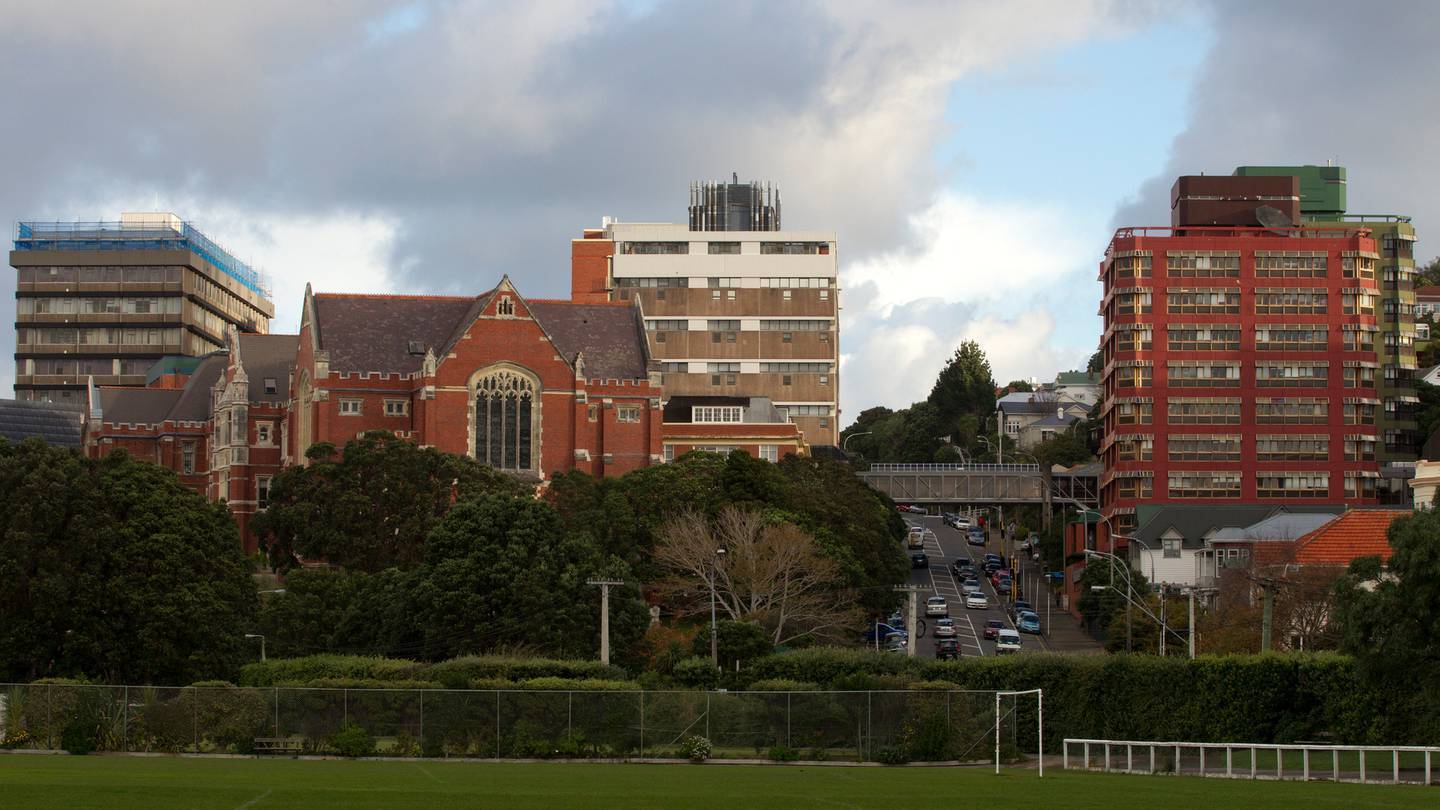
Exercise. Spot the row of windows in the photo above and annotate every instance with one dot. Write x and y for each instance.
(1269, 302)
(1227, 485)
(1199, 374)
(98, 306)
(392, 407)
(1286, 411)
(1298, 337)
(1229, 448)
(99, 336)
(130, 274)
(663, 282)
(683, 248)
(1226, 264)
(733, 325)
(768, 452)
(67, 367)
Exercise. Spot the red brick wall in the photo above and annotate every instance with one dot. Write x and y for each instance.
(590, 270)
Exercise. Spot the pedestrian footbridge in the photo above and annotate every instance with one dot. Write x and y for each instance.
(941, 484)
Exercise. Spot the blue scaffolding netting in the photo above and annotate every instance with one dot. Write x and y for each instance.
(148, 235)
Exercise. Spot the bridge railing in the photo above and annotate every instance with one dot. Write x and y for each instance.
(1032, 469)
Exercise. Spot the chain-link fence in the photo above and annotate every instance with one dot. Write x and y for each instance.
(919, 725)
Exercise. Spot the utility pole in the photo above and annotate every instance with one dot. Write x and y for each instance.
(604, 615)
(1162, 623)
(1129, 598)
(1267, 587)
(912, 629)
(1192, 624)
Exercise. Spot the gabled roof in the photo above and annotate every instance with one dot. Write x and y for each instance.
(1024, 404)
(138, 406)
(1194, 522)
(1286, 526)
(263, 356)
(611, 336)
(57, 424)
(268, 357)
(1054, 421)
(374, 332)
(1077, 378)
(1357, 533)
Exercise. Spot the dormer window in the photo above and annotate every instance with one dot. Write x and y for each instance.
(506, 307)
(270, 386)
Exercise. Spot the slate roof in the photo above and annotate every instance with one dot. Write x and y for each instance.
(1022, 404)
(611, 336)
(1357, 533)
(57, 424)
(1052, 421)
(262, 355)
(1192, 522)
(1077, 378)
(268, 356)
(138, 406)
(373, 332)
(1283, 526)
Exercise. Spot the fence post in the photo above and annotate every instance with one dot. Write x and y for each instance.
(1335, 763)
(1305, 763)
(1279, 763)
(869, 725)
(1254, 762)
(276, 692)
(642, 723)
(1064, 755)
(1152, 759)
(125, 720)
(422, 718)
(1107, 753)
(707, 718)
(787, 724)
(497, 723)
(569, 717)
(344, 707)
(1229, 761)
(1427, 766)
(1395, 762)
(195, 716)
(1129, 758)
(50, 716)
(1361, 751)
(1087, 755)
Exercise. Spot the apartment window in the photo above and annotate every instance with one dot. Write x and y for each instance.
(270, 386)
(786, 337)
(1359, 485)
(263, 433)
(1358, 301)
(1291, 337)
(650, 282)
(667, 453)
(795, 248)
(781, 283)
(1203, 337)
(1131, 265)
(397, 407)
(1012, 427)
(1182, 411)
(824, 295)
(785, 379)
(1134, 413)
(1133, 374)
(794, 368)
(1204, 447)
(1357, 337)
(1133, 340)
(1359, 376)
(1296, 301)
(806, 410)
(1204, 484)
(722, 368)
(592, 412)
(770, 452)
(1202, 263)
(1360, 412)
(1182, 300)
(824, 379)
(1132, 300)
(627, 413)
(724, 248)
(722, 379)
(1292, 447)
(1291, 411)
(814, 325)
(785, 295)
(187, 457)
(1132, 447)
(716, 414)
(724, 282)
(715, 295)
(1292, 485)
(723, 326)
(655, 248)
(1170, 547)
(1141, 485)
(1288, 375)
(667, 325)
(1290, 264)
(262, 491)
(1355, 265)
(1193, 374)
(1359, 448)
(350, 407)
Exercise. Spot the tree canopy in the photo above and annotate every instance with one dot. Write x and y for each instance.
(113, 570)
(965, 385)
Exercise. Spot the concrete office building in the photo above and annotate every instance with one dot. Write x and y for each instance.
(105, 300)
(729, 312)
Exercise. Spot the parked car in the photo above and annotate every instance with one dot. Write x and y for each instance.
(882, 630)
(911, 509)
(1007, 641)
(1021, 606)
(935, 606)
(999, 574)
(971, 585)
(991, 566)
(896, 644)
(1029, 622)
(1003, 586)
(993, 628)
(919, 560)
(961, 523)
(944, 628)
(962, 567)
(975, 538)
(976, 601)
(947, 649)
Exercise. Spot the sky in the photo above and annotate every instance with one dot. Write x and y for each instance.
(973, 158)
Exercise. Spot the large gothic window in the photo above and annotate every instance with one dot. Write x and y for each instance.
(506, 420)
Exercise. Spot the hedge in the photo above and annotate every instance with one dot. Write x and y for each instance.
(457, 673)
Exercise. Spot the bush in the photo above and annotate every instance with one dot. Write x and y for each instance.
(352, 741)
(79, 737)
(695, 748)
(783, 753)
(333, 667)
(697, 673)
(738, 641)
(783, 685)
(892, 755)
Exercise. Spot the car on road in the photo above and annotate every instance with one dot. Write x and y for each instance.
(961, 523)
(993, 628)
(915, 538)
(1003, 586)
(1021, 606)
(1028, 623)
(969, 586)
(914, 510)
(919, 560)
(976, 601)
(947, 648)
(999, 574)
(944, 628)
(935, 606)
(990, 566)
(962, 567)
(975, 538)
(1007, 641)
(896, 644)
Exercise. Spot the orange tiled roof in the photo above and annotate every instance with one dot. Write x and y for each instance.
(1357, 533)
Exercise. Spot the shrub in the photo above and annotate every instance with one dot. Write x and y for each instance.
(78, 737)
(697, 673)
(892, 755)
(695, 748)
(783, 753)
(352, 741)
(317, 667)
(783, 685)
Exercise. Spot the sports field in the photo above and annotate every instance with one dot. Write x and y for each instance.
(163, 782)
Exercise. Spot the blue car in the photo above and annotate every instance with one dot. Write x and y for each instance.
(1028, 623)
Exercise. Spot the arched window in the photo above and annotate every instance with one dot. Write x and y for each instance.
(507, 419)
(506, 306)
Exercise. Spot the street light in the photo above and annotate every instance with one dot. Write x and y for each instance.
(846, 443)
(1128, 593)
(262, 643)
(714, 646)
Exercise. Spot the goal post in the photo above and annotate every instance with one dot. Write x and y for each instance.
(1039, 724)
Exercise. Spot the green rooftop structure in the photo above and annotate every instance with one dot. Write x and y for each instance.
(1322, 188)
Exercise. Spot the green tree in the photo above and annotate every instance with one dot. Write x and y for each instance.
(1102, 600)
(865, 443)
(1018, 386)
(1389, 619)
(1428, 274)
(1067, 448)
(964, 386)
(371, 507)
(1097, 362)
(113, 570)
(735, 641)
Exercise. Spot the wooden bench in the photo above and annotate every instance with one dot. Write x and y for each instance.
(277, 746)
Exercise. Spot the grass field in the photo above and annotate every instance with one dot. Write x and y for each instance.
(164, 782)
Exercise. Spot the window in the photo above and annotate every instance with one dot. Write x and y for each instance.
(1292, 447)
(1288, 375)
(1291, 411)
(1357, 265)
(1132, 300)
(785, 295)
(262, 491)
(667, 453)
(1204, 484)
(1131, 264)
(816, 325)
(1129, 412)
(655, 248)
(724, 248)
(263, 433)
(786, 379)
(667, 325)
(1291, 337)
(1358, 301)
(794, 368)
(397, 407)
(1133, 374)
(770, 452)
(1202, 263)
(627, 413)
(1360, 412)
(592, 412)
(795, 248)
(1291, 301)
(270, 386)
(724, 282)
(1292, 485)
(1200, 374)
(1129, 338)
(1170, 547)
(824, 295)
(716, 414)
(1359, 448)
(1182, 300)
(350, 407)
(1181, 411)
(723, 325)
(650, 282)
(1132, 447)
(806, 410)
(1012, 427)
(1360, 485)
(1357, 337)
(506, 307)
(507, 417)
(1203, 337)
(1204, 447)
(1135, 484)
(187, 457)
(824, 380)
(1289, 264)
(795, 282)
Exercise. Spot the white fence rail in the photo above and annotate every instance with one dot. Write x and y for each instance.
(1399, 764)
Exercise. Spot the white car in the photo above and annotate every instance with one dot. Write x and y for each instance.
(971, 586)
(935, 606)
(963, 524)
(945, 628)
(976, 601)
(1007, 642)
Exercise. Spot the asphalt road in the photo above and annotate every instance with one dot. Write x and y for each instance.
(943, 544)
